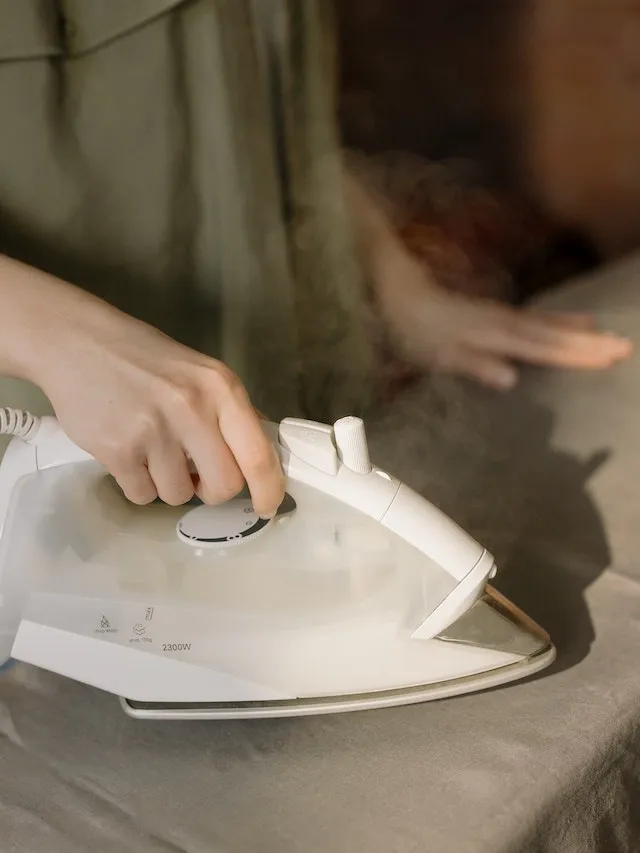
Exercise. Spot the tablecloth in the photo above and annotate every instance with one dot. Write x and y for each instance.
(548, 477)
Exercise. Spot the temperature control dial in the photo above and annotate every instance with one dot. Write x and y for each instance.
(221, 526)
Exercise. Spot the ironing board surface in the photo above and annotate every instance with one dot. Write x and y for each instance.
(549, 478)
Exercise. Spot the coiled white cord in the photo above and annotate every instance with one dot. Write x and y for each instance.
(23, 425)
(18, 423)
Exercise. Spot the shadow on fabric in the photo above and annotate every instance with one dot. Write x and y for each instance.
(488, 462)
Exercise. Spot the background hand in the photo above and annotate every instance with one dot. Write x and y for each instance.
(438, 329)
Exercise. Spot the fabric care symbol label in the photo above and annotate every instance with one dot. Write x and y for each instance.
(104, 626)
(139, 631)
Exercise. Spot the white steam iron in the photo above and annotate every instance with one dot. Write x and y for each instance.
(358, 594)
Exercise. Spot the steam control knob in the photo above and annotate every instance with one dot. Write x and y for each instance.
(351, 443)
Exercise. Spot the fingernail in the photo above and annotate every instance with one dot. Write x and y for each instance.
(615, 336)
(620, 346)
(507, 379)
(267, 516)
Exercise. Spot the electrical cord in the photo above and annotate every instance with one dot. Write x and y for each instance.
(23, 425)
(18, 423)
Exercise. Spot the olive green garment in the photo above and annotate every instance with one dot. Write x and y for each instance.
(180, 159)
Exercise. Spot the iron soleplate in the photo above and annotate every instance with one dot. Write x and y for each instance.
(527, 638)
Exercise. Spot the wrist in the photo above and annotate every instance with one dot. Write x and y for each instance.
(391, 265)
(38, 315)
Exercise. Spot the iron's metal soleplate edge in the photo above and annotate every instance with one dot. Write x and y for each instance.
(341, 704)
(542, 655)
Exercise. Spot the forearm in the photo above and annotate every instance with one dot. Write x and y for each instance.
(35, 310)
(391, 266)
(374, 230)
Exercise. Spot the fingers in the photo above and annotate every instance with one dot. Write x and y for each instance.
(219, 476)
(232, 449)
(585, 322)
(168, 468)
(487, 369)
(136, 483)
(538, 340)
(216, 450)
(254, 453)
(169, 475)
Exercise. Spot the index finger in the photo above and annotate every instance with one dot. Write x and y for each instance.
(257, 458)
(539, 341)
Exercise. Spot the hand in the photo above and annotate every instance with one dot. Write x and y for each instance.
(140, 403)
(145, 406)
(437, 329)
